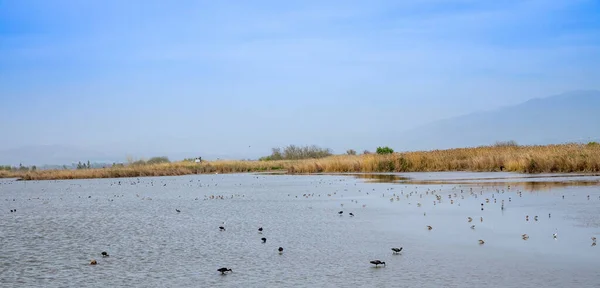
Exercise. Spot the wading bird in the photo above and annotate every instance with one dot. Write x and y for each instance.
(378, 262)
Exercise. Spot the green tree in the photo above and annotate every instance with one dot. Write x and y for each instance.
(384, 150)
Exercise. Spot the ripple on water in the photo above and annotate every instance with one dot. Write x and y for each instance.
(50, 241)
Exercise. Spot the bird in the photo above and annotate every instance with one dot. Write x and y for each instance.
(350, 214)
(222, 228)
(472, 226)
(341, 212)
(378, 262)
(396, 250)
(525, 236)
(429, 227)
(177, 210)
(93, 262)
(481, 241)
(260, 229)
(554, 235)
(469, 219)
(104, 254)
(223, 270)
(593, 239)
(280, 250)
(264, 239)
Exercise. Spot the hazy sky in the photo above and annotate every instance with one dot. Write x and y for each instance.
(163, 77)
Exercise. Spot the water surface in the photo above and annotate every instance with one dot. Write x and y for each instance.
(59, 226)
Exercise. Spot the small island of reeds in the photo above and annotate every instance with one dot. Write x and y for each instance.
(506, 156)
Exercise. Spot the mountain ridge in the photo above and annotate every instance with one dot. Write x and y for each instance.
(560, 118)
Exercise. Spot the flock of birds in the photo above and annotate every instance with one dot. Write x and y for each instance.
(453, 196)
(223, 270)
(472, 193)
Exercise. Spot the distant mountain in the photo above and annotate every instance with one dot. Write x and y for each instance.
(567, 117)
(58, 156)
(52, 155)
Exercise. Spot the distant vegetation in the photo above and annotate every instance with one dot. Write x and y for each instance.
(510, 143)
(151, 161)
(12, 170)
(384, 150)
(293, 152)
(20, 168)
(527, 159)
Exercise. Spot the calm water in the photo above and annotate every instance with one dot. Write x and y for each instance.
(59, 226)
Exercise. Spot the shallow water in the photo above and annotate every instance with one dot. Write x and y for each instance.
(59, 226)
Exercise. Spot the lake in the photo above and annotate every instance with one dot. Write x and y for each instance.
(59, 226)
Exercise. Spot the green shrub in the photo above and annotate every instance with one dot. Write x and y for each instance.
(384, 150)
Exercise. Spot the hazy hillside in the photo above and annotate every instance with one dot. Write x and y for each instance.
(52, 155)
(55, 156)
(572, 116)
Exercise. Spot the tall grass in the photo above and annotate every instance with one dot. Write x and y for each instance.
(526, 159)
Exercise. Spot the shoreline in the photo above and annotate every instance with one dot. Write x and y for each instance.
(550, 159)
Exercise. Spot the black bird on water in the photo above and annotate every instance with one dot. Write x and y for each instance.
(280, 250)
(341, 212)
(223, 270)
(177, 210)
(260, 229)
(222, 228)
(104, 254)
(397, 250)
(264, 239)
(351, 214)
(378, 262)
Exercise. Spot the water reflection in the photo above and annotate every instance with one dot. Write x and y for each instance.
(540, 185)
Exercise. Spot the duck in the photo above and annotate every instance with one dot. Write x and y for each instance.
(481, 242)
(280, 250)
(93, 262)
(525, 236)
(264, 239)
(104, 254)
(224, 269)
(221, 228)
(396, 250)
(429, 227)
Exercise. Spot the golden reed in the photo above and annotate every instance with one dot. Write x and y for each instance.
(526, 159)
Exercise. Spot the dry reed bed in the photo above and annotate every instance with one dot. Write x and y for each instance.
(526, 159)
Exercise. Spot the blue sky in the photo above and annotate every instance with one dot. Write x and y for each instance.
(167, 77)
